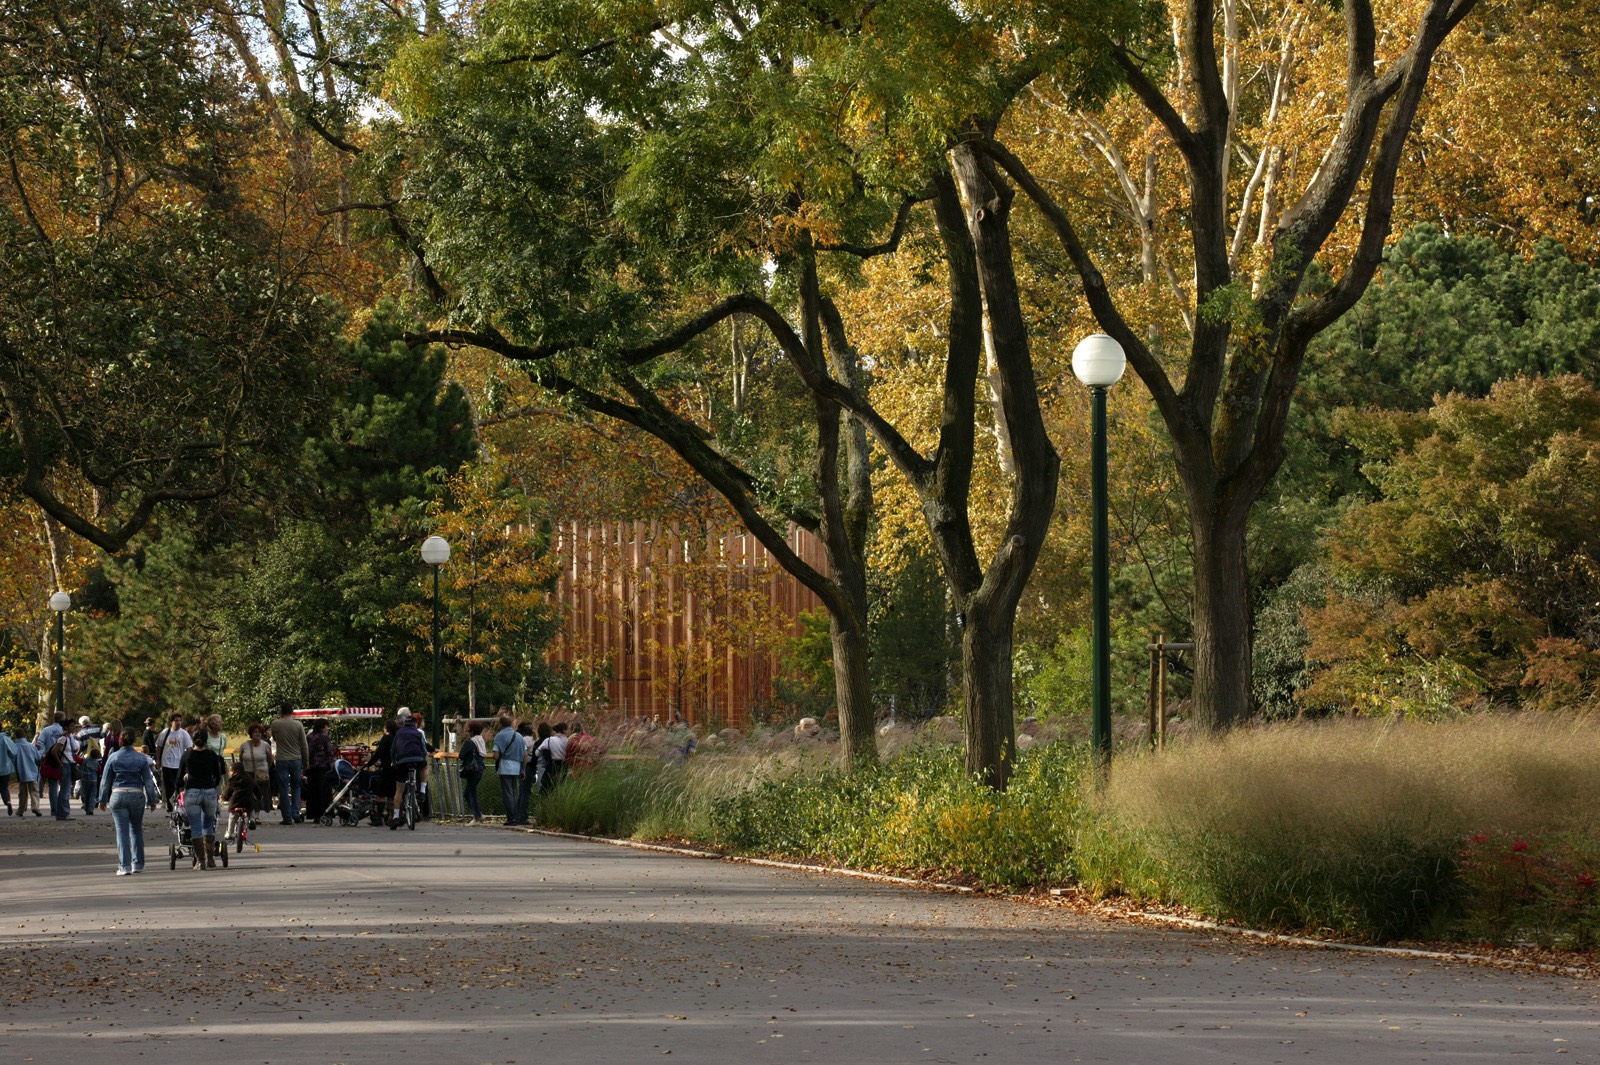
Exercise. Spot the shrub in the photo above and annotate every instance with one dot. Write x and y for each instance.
(1346, 827)
(918, 814)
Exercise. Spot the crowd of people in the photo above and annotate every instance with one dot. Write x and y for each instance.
(526, 758)
(124, 771)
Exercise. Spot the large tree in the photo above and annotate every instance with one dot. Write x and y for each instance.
(1225, 385)
(157, 337)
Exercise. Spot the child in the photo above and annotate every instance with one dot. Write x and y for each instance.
(240, 793)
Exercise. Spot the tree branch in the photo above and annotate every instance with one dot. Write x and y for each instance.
(1105, 309)
(892, 243)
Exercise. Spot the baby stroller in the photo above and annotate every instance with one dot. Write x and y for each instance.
(358, 798)
(183, 845)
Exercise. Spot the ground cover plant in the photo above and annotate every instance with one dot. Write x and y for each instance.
(1481, 828)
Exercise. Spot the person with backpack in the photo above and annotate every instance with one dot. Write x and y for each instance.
(410, 751)
(87, 768)
(56, 748)
(554, 747)
(474, 757)
(200, 775)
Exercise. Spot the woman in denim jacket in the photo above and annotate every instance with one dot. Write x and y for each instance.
(127, 788)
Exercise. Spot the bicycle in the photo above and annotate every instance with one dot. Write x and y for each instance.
(238, 833)
(408, 802)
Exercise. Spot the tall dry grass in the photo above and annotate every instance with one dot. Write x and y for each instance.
(1348, 826)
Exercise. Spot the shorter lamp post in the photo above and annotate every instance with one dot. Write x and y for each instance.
(1098, 361)
(61, 602)
(436, 552)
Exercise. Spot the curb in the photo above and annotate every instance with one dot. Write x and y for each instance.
(769, 863)
(1359, 948)
(1192, 923)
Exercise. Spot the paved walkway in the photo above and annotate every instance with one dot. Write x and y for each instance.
(466, 946)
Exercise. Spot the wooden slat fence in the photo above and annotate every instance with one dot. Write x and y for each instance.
(688, 618)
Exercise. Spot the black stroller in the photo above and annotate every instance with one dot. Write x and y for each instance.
(183, 845)
(360, 796)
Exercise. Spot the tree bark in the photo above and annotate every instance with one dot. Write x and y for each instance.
(1222, 622)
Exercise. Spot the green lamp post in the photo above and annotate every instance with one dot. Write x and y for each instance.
(1098, 361)
(436, 552)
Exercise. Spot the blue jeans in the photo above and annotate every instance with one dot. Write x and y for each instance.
(522, 797)
(127, 816)
(289, 775)
(469, 784)
(61, 793)
(201, 806)
(89, 778)
(508, 796)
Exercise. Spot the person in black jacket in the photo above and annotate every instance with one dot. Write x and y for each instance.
(201, 774)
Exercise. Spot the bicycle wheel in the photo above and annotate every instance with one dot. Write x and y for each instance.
(224, 852)
(172, 856)
(411, 807)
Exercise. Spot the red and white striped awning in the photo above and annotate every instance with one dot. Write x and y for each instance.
(334, 712)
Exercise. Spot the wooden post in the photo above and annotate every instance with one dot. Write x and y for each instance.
(1151, 697)
(1161, 691)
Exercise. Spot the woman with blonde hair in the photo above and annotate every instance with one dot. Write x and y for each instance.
(255, 758)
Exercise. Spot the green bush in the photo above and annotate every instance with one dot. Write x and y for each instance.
(917, 814)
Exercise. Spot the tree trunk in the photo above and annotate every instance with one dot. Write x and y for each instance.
(990, 720)
(991, 607)
(1222, 617)
(853, 690)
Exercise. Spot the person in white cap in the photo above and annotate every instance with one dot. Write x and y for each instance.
(88, 767)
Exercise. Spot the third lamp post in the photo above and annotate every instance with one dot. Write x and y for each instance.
(436, 552)
(61, 602)
(1098, 361)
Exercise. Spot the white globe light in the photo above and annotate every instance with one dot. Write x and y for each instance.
(1098, 361)
(61, 602)
(435, 551)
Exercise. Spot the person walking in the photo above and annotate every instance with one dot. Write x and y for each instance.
(218, 739)
(127, 788)
(173, 742)
(8, 768)
(508, 751)
(474, 755)
(255, 755)
(289, 754)
(58, 751)
(27, 767)
(87, 769)
(148, 741)
(200, 775)
(319, 770)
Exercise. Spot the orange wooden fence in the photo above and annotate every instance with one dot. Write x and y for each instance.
(685, 618)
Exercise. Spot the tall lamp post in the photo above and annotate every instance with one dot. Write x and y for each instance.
(61, 602)
(1098, 361)
(436, 552)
